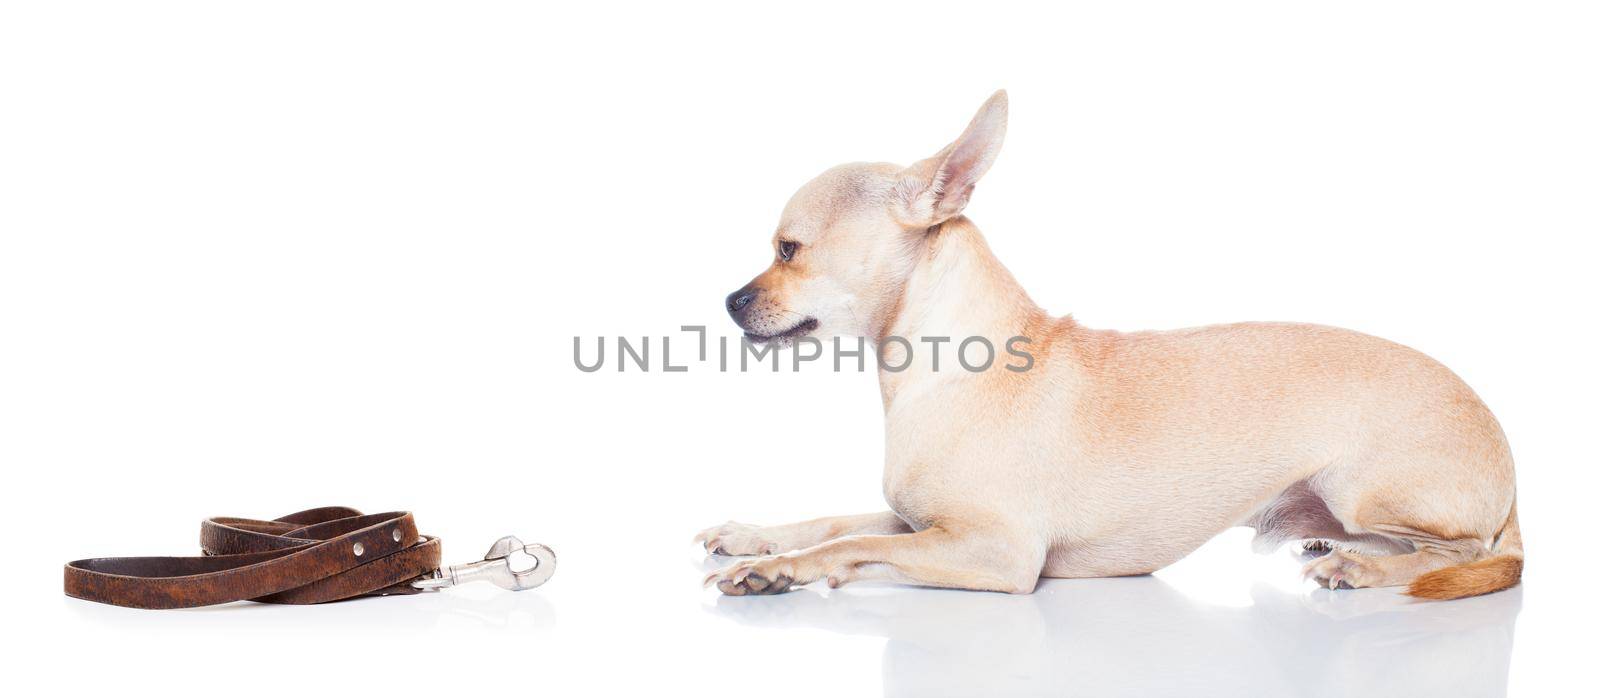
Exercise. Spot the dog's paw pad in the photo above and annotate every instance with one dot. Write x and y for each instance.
(764, 576)
(1315, 548)
(1340, 570)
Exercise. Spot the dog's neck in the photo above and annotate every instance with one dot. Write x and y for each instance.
(957, 289)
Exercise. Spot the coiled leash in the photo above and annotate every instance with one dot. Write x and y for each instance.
(313, 556)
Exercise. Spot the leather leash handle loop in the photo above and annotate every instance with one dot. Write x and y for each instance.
(312, 556)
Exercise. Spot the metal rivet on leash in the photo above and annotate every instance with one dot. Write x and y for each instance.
(358, 550)
(397, 535)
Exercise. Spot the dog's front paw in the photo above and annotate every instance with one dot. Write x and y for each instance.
(1341, 570)
(767, 575)
(734, 538)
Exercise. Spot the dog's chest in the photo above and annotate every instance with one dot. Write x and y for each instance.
(939, 458)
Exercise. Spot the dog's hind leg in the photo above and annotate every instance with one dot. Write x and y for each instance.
(1435, 475)
(1342, 569)
(1459, 540)
(735, 538)
(984, 559)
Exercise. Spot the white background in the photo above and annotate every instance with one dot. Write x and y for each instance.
(262, 257)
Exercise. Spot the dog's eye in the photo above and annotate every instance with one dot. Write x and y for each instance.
(786, 249)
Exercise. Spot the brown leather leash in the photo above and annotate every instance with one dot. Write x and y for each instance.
(312, 556)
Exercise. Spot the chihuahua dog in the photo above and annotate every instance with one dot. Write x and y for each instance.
(1115, 453)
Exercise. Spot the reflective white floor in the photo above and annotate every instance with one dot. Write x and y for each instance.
(1223, 622)
(1141, 637)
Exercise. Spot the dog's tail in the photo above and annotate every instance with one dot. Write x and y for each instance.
(1502, 570)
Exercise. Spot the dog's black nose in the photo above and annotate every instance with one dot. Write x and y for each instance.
(741, 299)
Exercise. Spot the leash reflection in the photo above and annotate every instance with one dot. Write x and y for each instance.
(457, 610)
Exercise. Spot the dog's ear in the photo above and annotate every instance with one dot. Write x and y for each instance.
(938, 188)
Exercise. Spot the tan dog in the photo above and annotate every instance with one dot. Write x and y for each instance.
(1116, 453)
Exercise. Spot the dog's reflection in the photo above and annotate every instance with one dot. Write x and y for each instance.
(1139, 636)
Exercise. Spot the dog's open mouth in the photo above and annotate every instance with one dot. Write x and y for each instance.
(804, 328)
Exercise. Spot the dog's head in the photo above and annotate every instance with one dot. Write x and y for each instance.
(849, 239)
